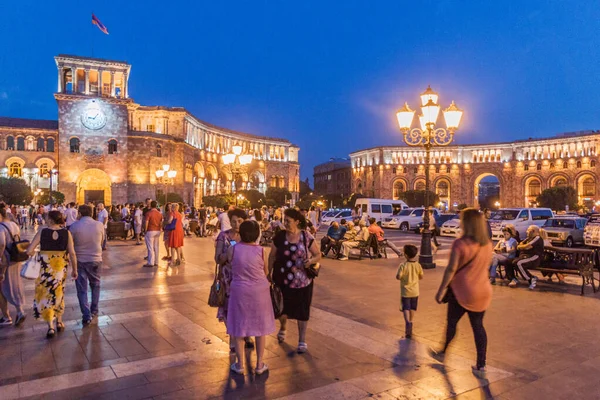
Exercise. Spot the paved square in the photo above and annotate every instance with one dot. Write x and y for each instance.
(157, 338)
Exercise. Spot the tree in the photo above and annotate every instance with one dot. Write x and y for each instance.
(557, 198)
(416, 198)
(15, 191)
(57, 198)
(462, 206)
(219, 200)
(280, 196)
(255, 199)
(350, 202)
(305, 188)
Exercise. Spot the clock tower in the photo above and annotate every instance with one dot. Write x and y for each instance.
(93, 122)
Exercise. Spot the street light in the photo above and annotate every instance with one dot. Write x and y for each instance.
(240, 197)
(497, 204)
(170, 176)
(236, 162)
(428, 136)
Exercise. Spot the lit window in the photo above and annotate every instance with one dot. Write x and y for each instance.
(15, 170)
(112, 146)
(150, 128)
(44, 170)
(158, 150)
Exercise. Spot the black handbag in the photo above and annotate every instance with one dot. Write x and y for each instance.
(216, 298)
(276, 300)
(18, 248)
(312, 271)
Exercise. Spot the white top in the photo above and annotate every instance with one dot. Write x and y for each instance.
(224, 220)
(124, 212)
(137, 216)
(103, 216)
(24, 212)
(71, 216)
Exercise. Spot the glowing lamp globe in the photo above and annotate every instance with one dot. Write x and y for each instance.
(431, 111)
(453, 115)
(160, 173)
(172, 174)
(405, 117)
(228, 158)
(428, 94)
(166, 167)
(237, 149)
(246, 159)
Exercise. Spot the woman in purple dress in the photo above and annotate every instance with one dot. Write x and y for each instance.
(250, 311)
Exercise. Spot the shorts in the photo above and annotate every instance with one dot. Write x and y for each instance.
(410, 303)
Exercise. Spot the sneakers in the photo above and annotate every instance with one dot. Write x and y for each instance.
(408, 330)
(437, 355)
(20, 319)
(479, 372)
(4, 321)
(513, 283)
(493, 281)
(532, 283)
(343, 258)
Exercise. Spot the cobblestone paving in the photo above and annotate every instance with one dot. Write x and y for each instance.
(157, 338)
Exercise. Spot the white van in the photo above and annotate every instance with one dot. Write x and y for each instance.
(521, 218)
(379, 208)
(591, 232)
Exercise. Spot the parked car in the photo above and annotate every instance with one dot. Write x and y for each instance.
(565, 231)
(451, 227)
(440, 219)
(336, 216)
(521, 218)
(591, 232)
(380, 209)
(407, 219)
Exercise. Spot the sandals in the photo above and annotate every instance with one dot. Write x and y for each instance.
(302, 348)
(60, 327)
(236, 369)
(261, 370)
(50, 334)
(281, 336)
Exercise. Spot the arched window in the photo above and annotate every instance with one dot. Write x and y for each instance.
(405, 170)
(442, 189)
(398, 189)
(10, 143)
(593, 163)
(50, 145)
(420, 185)
(578, 164)
(21, 143)
(68, 80)
(74, 145)
(526, 167)
(112, 146)
(44, 170)
(538, 167)
(560, 182)
(30, 143)
(416, 170)
(158, 150)
(565, 165)
(437, 169)
(40, 144)
(15, 170)
(534, 188)
(589, 187)
(551, 165)
(447, 169)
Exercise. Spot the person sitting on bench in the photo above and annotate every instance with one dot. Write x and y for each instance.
(378, 232)
(531, 253)
(335, 234)
(504, 252)
(361, 236)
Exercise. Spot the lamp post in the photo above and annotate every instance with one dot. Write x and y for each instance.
(427, 136)
(37, 192)
(52, 173)
(236, 162)
(170, 176)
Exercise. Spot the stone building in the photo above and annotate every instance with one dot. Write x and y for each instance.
(106, 147)
(523, 169)
(333, 177)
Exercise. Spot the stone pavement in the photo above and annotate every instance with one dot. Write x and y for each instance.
(157, 338)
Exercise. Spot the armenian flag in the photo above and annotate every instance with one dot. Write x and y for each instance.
(99, 24)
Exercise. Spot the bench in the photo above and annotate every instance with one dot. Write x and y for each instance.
(371, 248)
(569, 261)
(116, 229)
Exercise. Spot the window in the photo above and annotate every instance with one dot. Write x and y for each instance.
(526, 167)
(50, 145)
(386, 208)
(551, 165)
(540, 215)
(112, 146)
(21, 144)
(560, 182)
(394, 170)
(418, 213)
(74, 145)
(376, 208)
(15, 170)
(44, 170)
(10, 143)
(40, 144)
(420, 185)
(535, 188)
(565, 165)
(437, 169)
(415, 170)
(538, 167)
(158, 150)
(593, 163)
(30, 143)
(150, 128)
(523, 215)
(398, 189)
(589, 187)
(578, 164)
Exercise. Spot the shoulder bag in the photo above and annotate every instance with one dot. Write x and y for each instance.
(171, 226)
(312, 271)
(216, 298)
(31, 268)
(449, 294)
(18, 248)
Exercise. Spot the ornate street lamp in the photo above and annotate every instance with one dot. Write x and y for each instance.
(236, 162)
(427, 136)
(170, 177)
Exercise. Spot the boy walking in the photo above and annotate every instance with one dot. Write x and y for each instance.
(409, 273)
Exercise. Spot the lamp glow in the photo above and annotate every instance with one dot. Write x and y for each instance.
(171, 174)
(428, 94)
(160, 173)
(246, 159)
(405, 117)
(237, 149)
(431, 111)
(453, 115)
(228, 159)
(166, 167)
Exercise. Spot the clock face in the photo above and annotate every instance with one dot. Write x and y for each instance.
(93, 118)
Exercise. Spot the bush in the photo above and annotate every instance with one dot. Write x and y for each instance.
(557, 198)
(254, 198)
(219, 200)
(57, 198)
(279, 196)
(15, 191)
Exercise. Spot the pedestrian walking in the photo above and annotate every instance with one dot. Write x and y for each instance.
(102, 216)
(88, 236)
(465, 285)
(11, 289)
(202, 215)
(409, 274)
(138, 217)
(70, 214)
(56, 252)
(166, 231)
(176, 234)
(250, 311)
(152, 237)
(292, 251)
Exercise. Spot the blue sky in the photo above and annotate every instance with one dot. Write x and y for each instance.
(326, 75)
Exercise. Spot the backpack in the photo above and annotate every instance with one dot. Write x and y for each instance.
(17, 249)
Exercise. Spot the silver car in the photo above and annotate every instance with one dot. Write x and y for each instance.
(565, 231)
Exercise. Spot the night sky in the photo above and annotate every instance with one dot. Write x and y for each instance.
(327, 75)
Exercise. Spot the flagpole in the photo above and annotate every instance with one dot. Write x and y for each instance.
(92, 38)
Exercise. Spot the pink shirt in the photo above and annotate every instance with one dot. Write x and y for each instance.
(471, 285)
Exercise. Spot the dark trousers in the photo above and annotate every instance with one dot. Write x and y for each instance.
(455, 313)
(88, 273)
(434, 238)
(522, 263)
(327, 244)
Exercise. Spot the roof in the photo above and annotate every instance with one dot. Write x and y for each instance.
(28, 123)
(103, 60)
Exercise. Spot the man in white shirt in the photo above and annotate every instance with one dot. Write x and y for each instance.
(70, 214)
(224, 218)
(138, 217)
(125, 212)
(24, 212)
(102, 216)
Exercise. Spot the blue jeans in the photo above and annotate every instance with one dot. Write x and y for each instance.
(88, 271)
